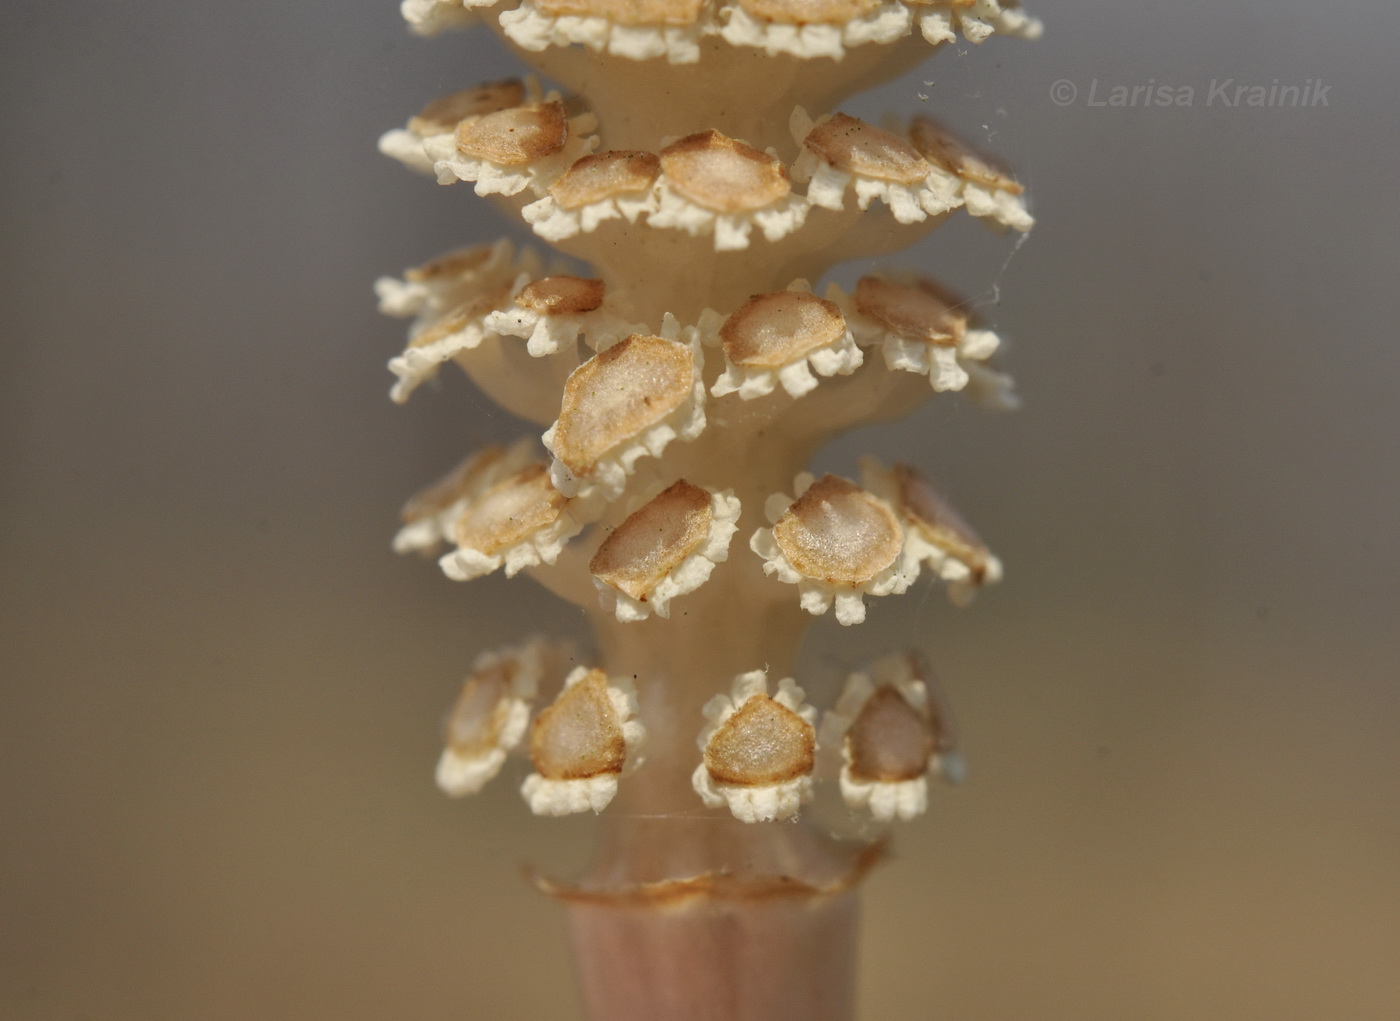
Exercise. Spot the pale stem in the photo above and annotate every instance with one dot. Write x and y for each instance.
(689, 914)
(769, 959)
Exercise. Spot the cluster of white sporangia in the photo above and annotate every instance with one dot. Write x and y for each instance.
(837, 542)
(646, 29)
(478, 299)
(664, 549)
(628, 390)
(892, 728)
(579, 745)
(759, 753)
(504, 139)
(928, 174)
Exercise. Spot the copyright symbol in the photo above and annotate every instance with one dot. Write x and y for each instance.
(1063, 92)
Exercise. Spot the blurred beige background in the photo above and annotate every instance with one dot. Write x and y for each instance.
(221, 692)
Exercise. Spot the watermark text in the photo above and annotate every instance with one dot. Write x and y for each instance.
(1220, 93)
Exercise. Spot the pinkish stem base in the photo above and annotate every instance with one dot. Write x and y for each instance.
(718, 958)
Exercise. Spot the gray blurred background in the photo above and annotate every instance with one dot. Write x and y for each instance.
(222, 693)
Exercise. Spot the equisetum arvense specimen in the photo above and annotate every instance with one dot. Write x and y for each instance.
(695, 180)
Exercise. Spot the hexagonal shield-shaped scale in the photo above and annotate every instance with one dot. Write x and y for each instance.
(935, 533)
(892, 731)
(759, 751)
(516, 136)
(519, 522)
(919, 328)
(663, 550)
(490, 717)
(987, 191)
(780, 338)
(713, 183)
(447, 280)
(435, 123)
(507, 151)
(601, 186)
(429, 514)
(624, 403)
(552, 313)
(452, 297)
(837, 543)
(582, 744)
(436, 341)
(841, 152)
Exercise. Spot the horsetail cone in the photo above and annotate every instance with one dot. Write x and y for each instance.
(682, 360)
